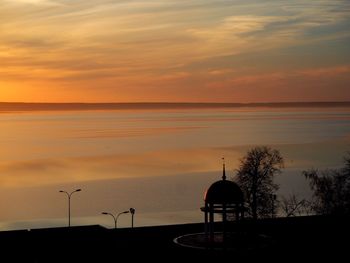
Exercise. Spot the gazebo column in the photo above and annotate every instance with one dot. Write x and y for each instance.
(237, 211)
(206, 227)
(224, 219)
(211, 222)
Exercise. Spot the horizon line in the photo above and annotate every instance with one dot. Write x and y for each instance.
(57, 106)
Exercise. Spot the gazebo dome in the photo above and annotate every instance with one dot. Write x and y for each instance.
(223, 192)
(223, 197)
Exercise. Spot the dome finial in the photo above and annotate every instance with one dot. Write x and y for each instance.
(223, 169)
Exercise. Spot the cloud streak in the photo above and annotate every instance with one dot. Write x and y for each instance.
(75, 45)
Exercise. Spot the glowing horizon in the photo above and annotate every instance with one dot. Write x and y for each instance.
(197, 51)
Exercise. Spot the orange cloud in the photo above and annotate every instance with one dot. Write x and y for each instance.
(144, 50)
(326, 72)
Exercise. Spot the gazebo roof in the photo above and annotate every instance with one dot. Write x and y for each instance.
(224, 192)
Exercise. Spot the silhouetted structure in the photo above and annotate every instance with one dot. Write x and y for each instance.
(223, 197)
(69, 195)
(115, 217)
(132, 211)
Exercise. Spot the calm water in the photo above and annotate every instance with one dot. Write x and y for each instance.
(159, 162)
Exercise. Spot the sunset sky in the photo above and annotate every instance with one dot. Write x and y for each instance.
(174, 50)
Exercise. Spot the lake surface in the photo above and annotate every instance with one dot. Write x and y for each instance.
(158, 161)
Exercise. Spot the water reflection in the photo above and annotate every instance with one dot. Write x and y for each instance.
(45, 150)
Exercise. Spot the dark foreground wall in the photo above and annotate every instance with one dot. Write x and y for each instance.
(297, 239)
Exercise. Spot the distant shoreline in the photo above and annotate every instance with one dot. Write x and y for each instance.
(22, 106)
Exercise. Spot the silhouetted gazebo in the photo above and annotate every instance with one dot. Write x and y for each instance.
(223, 197)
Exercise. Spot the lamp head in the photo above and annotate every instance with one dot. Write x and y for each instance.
(104, 213)
(132, 210)
(78, 190)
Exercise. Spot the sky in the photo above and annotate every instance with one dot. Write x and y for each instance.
(176, 51)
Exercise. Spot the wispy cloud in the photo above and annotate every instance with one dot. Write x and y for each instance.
(60, 43)
(292, 85)
(32, 2)
(326, 72)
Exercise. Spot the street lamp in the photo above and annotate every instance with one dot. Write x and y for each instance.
(115, 218)
(132, 212)
(69, 196)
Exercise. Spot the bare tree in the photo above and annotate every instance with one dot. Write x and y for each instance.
(255, 177)
(331, 189)
(292, 206)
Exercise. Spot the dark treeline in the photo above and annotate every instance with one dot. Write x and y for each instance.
(21, 106)
(331, 187)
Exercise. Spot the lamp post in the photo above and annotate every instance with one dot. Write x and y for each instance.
(69, 196)
(115, 218)
(132, 212)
